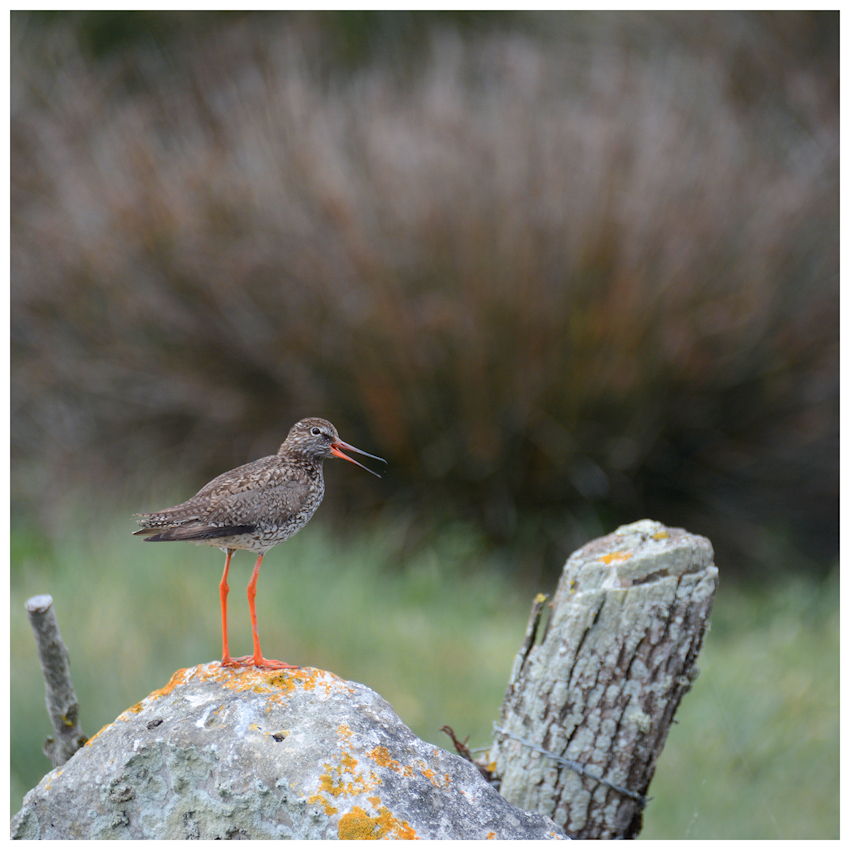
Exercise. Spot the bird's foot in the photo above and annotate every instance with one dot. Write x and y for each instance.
(262, 663)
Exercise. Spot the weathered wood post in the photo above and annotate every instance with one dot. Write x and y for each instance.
(61, 700)
(590, 701)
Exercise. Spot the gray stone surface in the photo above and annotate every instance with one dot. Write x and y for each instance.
(246, 753)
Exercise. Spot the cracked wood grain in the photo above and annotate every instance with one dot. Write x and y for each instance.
(601, 686)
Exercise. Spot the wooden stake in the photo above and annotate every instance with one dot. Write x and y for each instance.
(62, 706)
(590, 702)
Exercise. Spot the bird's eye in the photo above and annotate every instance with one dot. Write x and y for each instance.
(315, 431)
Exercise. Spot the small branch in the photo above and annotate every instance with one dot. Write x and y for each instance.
(531, 630)
(465, 753)
(62, 706)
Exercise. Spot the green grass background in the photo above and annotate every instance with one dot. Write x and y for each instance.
(754, 753)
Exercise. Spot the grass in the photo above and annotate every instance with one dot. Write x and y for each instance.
(755, 753)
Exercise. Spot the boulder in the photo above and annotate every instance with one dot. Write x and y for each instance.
(247, 753)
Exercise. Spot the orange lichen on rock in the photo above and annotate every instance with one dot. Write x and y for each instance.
(358, 825)
(173, 682)
(332, 781)
(286, 682)
(382, 756)
(434, 779)
(93, 737)
(318, 798)
(276, 684)
(615, 557)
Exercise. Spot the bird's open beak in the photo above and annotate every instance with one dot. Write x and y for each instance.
(338, 445)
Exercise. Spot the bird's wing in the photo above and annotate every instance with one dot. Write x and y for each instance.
(270, 499)
(249, 476)
(262, 491)
(194, 531)
(187, 512)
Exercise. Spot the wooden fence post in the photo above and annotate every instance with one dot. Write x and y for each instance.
(61, 700)
(590, 701)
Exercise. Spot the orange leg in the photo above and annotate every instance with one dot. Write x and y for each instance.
(226, 660)
(257, 659)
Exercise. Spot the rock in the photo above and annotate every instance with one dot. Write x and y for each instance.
(246, 753)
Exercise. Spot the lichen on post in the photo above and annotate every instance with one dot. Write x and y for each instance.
(590, 701)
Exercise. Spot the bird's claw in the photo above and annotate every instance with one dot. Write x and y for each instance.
(261, 663)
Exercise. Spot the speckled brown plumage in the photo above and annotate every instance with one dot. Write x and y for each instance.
(255, 507)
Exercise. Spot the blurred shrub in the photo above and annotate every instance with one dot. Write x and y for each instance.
(561, 279)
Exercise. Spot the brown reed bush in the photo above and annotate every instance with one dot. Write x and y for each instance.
(556, 281)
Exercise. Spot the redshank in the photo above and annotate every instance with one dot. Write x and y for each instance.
(255, 507)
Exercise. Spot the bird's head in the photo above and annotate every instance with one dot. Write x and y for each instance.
(317, 438)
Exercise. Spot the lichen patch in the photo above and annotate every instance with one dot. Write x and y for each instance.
(358, 825)
(615, 557)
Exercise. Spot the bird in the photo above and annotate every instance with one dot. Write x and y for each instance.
(255, 507)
